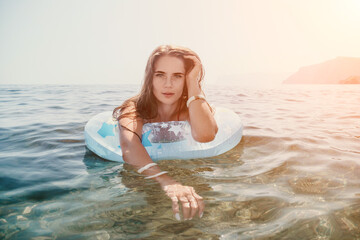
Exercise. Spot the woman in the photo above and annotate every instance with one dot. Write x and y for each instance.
(171, 92)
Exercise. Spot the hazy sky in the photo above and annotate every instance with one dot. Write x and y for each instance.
(96, 42)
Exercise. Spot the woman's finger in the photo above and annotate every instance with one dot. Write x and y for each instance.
(201, 207)
(195, 59)
(196, 195)
(175, 207)
(194, 206)
(186, 210)
(175, 204)
(200, 202)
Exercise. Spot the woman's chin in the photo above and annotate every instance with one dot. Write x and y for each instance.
(168, 100)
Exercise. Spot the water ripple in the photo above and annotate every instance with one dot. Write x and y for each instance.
(294, 175)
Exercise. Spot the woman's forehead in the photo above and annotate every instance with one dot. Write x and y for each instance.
(169, 63)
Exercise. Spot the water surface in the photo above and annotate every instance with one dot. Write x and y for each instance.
(294, 175)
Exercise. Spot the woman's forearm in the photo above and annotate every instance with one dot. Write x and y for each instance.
(203, 124)
(136, 155)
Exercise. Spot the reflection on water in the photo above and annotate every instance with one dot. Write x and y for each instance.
(294, 175)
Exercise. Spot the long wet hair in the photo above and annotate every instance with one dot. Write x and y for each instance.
(144, 104)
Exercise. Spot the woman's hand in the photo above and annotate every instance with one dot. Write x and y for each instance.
(191, 202)
(194, 75)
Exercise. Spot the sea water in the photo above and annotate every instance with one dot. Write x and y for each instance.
(294, 175)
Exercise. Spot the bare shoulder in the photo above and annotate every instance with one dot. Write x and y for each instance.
(130, 120)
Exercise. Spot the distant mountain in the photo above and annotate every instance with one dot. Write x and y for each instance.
(351, 80)
(340, 70)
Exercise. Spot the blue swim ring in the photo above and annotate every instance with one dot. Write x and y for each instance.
(164, 140)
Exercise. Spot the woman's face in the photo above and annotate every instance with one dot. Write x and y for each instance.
(168, 79)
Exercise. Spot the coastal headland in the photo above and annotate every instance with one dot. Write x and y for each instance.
(341, 70)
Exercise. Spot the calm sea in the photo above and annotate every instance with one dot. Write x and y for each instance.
(294, 175)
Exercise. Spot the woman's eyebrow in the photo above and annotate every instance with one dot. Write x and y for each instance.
(176, 73)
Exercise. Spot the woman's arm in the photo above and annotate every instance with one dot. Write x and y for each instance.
(203, 124)
(135, 154)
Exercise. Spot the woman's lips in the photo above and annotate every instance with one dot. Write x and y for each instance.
(168, 94)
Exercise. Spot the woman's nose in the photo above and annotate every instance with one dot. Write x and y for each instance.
(168, 82)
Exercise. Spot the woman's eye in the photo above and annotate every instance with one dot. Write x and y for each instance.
(178, 76)
(159, 75)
